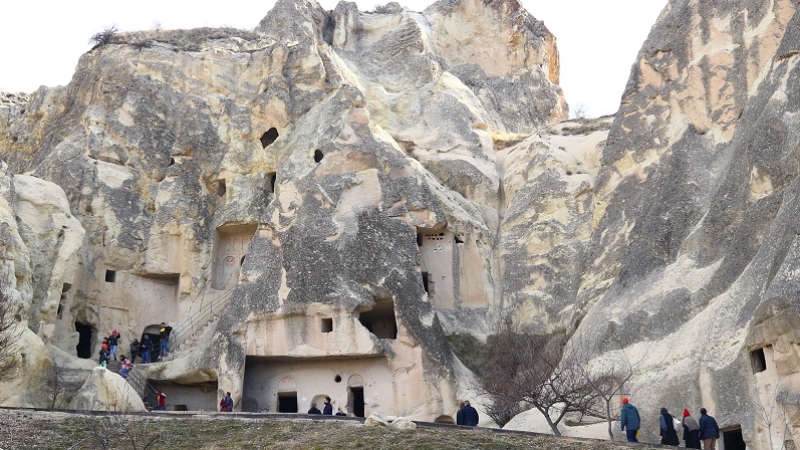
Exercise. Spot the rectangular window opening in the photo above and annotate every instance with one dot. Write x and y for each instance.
(111, 276)
(758, 360)
(327, 325)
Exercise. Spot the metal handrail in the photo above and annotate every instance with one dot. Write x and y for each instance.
(194, 323)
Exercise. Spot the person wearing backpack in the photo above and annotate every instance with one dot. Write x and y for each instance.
(667, 429)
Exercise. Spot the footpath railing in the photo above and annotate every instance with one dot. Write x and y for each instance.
(198, 320)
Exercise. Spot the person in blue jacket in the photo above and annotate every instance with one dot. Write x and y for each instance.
(629, 420)
(709, 430)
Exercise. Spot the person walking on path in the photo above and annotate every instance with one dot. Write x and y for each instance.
(113, 342)
(327, 410)
(629, 420)
(668, 434)
(146, 347)
(709, 430)
(691, 430)
(469, 415)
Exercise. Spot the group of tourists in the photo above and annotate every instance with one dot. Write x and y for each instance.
(705, 430)
(327, 409)
(109, 348)
(145, 348)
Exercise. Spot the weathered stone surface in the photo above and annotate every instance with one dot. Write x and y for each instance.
(107, 391)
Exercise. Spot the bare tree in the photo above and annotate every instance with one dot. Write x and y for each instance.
(8, 336)
(539, 371)
(768, 414)
(124, 431)
(608, 380)
(56, 383)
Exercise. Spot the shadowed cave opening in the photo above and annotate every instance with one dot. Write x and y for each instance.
(758, 360)
(111, 276)
(84, 347)
(272, 177)
(269, 137)
(380, 320)
(318, 156)
(732, 439)
(287, 402)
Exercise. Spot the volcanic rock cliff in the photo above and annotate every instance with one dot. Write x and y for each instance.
(317, 204)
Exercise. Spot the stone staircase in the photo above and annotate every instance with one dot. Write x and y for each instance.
(197, 323)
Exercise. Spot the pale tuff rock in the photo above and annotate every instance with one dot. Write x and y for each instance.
(401, 423)
(107, 391)
(350, 187)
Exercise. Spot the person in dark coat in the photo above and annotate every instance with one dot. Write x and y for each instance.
(113, 343)
(327, 410)
(104, 356)
(314, 409)
(709, 430)
(668, 434)
(469, 415)
(134, 350)
(146, 347)
(629, 420)
(460, 414)
(691, 430)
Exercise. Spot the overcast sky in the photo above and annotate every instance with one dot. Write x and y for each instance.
(41, 40)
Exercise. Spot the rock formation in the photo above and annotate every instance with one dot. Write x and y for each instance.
(317, 204)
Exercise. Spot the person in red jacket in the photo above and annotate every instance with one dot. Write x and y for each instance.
(161, 401)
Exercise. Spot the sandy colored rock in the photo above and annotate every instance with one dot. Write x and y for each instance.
(107, 391)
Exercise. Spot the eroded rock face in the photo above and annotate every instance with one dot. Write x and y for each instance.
(329, 185)
(106, 391)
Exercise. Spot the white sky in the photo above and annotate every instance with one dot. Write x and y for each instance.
(41, 40)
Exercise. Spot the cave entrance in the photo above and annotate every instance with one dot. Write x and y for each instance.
(287, 402)
(356, 398)
(380, 320)
(269, 137)
(84, 347)
(732, 439)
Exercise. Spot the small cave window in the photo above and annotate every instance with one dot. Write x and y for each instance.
(84, 347)
(272, 178)
(318, 156)
(221, 188)
(380, 320)
(758, 360)
(459, 240)
(269, 137)
(60, 311)
(111, 276)
(337, 378)
(425, 281)
(171, 162)
(327, 325)
(419, 240)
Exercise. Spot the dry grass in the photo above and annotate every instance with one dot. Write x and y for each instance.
(38, 430)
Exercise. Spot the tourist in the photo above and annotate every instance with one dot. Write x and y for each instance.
(691, 430)
(314, 409)
(104, 356)
(146, 347)
(161, 401)
(339, 412)
(667, 423)
(709, 430)
(460, 414)
(164, 347)
(113, 341)
(629, 420)
(226, 404)
(327, 410)
(125, 367)
(469, 415)
(134, 350)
